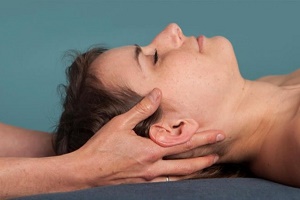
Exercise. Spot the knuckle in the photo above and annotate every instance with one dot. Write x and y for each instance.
(149, 174)
(189, 145)
(207, 139)
(143, 107)
(210, 139)
(152, 155)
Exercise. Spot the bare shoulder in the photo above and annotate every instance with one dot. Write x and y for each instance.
(294, 148)
(283, 80)
(279, 158)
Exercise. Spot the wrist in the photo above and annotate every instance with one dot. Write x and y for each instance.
(74, 171)
(83, 170)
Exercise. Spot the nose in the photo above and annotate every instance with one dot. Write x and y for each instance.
(171, 37)
(175, 33)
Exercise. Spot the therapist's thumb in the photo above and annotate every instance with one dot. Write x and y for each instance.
(142, 110)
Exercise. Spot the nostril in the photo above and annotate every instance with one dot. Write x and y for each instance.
(179, 32)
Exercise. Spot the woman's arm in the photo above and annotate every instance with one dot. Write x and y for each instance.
(19, 142)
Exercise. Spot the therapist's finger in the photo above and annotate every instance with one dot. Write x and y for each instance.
(142, 110)
(182, 167)
(199, 140)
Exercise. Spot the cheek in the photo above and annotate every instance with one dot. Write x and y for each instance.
(178, 63)
(182, 70)
(177, 77)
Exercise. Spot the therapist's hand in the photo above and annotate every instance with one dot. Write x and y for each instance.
(115, 154)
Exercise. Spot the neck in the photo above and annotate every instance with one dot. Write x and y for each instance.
(258, 111)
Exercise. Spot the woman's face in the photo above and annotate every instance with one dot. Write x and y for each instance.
(193, 73)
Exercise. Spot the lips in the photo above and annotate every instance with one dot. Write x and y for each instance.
(200, 41)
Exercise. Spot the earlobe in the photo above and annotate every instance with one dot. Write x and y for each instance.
(172, 134)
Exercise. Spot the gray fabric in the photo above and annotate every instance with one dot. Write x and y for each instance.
(221, 188)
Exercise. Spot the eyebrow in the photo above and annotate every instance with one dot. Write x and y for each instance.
(138, 51)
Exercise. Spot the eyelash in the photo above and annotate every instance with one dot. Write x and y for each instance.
(155, 57)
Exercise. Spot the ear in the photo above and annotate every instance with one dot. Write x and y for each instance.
(174, 133)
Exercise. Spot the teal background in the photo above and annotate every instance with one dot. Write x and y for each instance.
(34, 34)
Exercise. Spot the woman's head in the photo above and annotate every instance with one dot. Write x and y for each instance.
(197, 76)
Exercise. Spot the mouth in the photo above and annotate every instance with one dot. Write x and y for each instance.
(200, 41)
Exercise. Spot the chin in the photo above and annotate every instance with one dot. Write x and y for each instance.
(220, 43)
(222, 49)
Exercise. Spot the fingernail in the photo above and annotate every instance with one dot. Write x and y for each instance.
(216, 158)
(154, 95)
(220, 137)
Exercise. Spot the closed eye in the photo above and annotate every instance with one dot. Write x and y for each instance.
(155, 57)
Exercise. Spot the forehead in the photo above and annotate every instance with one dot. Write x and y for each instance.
(113, 54)
(116, 66)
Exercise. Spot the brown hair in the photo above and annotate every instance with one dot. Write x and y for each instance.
(88, 106)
